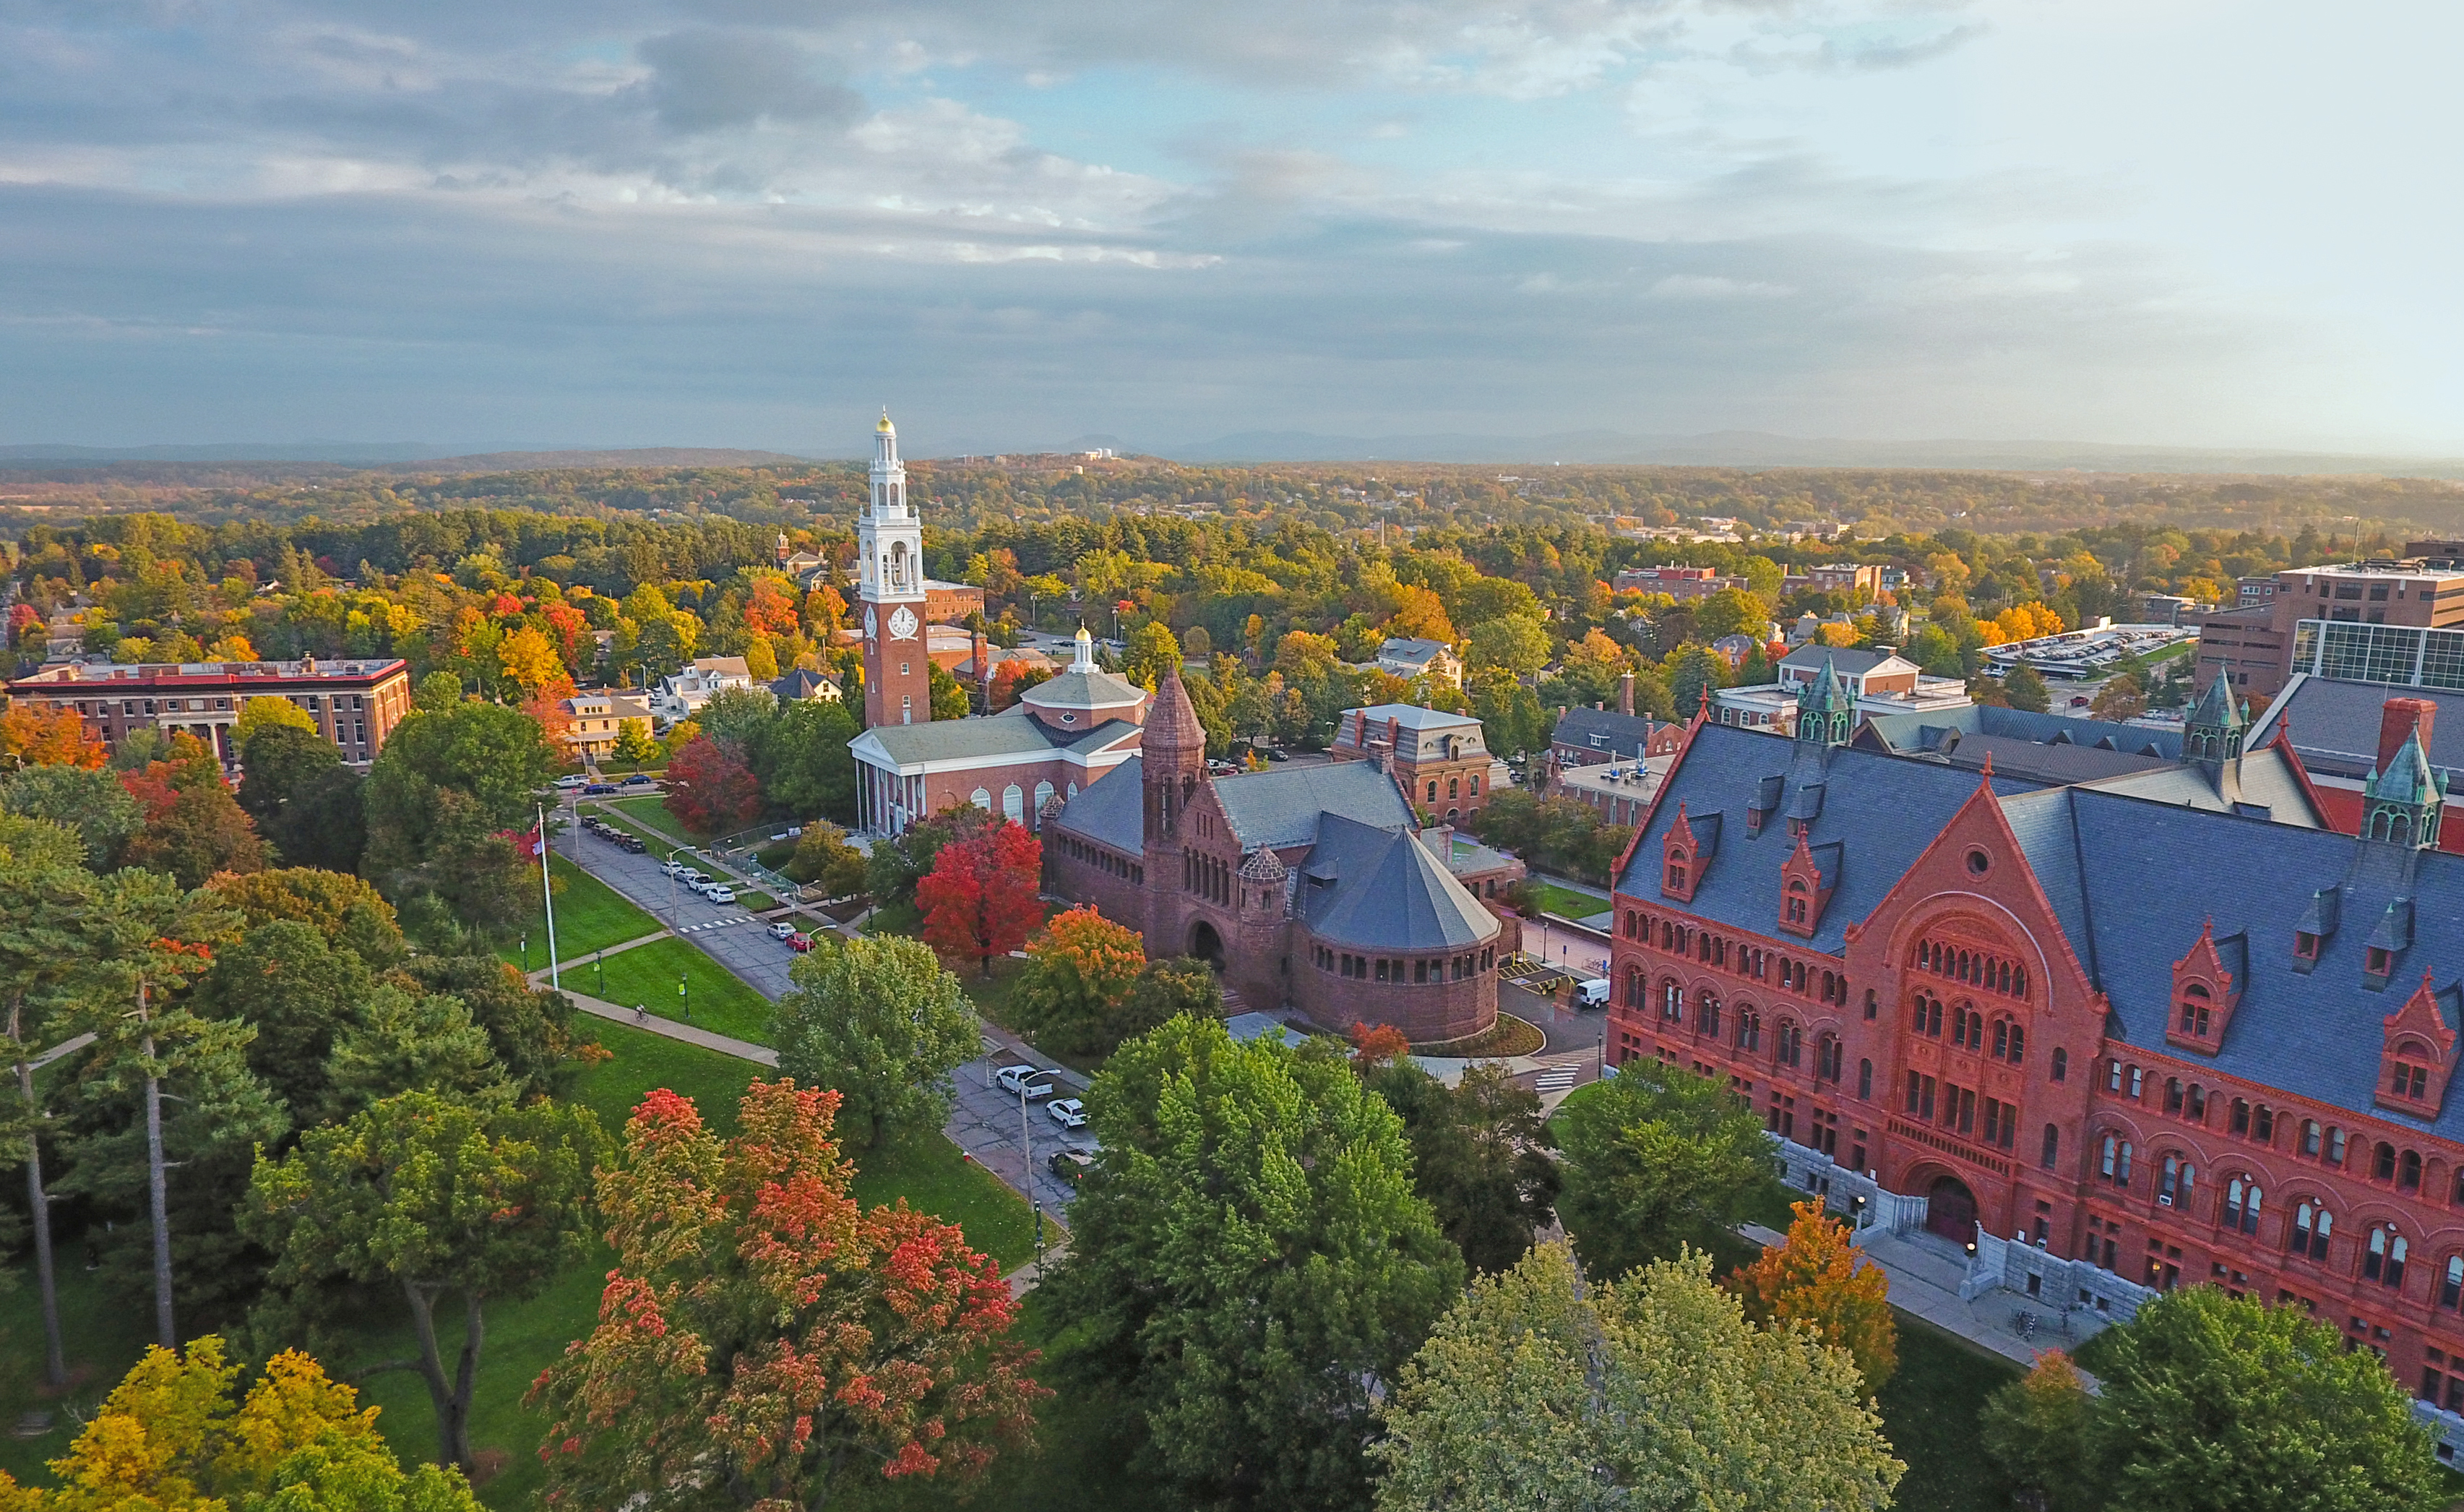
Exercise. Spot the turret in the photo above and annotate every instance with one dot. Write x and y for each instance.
(1173, 753)
(1826, 711)
(2403, 803)
(2216, 729)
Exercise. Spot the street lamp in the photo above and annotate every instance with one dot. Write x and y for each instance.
(684, 994)
(526, 952)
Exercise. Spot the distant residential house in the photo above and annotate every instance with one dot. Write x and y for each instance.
(1433, 660)
(1735, 648)
(1678, 582)
(682, 696)
(800, 685)
(597, 717)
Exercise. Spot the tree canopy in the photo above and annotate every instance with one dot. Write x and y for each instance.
(879, 1023)
(1656, 1158)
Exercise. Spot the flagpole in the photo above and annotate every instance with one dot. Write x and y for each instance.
(547, 897)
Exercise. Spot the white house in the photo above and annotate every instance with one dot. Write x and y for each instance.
(682, 696)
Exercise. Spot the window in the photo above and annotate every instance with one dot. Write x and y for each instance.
(2175, 1188)
(1929, 1015)
(2061, 1064)
(2241, 1205)
(1433, 789)
(2407, 1174)
(1676, 871)
(2451, 1286)
(2309, 1136)
(2383, 1162)
(1865, 1079)
(2311, 1229)
(2172, 1094)
(1750, 1029)
(2196, 1004)
(1827, 1058)
(1672, 1002)
(1789, 1043)
(2305, 945)
(2053, 1149)
(1872, 1007)
(2383, 1259)
(2381, 962)
(2113, 1081)
(1707, 1013)
(1796, 901)
(2335, 1145)
(2116, 1166)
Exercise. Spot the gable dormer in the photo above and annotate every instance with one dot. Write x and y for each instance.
(2419, 1053)
(1766, 796)
(2317, 926)
(2387, 945)
(1685, 851)
(2207, 987)
(1807, 880)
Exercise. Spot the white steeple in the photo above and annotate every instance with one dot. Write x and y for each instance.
(888, 473)
(1085, 659)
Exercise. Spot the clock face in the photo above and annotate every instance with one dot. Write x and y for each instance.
(870, 629)
(902, 623)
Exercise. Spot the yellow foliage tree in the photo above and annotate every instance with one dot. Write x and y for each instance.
(1420, 614)
(2026, 622)
(1814, 1278)
(233, 647)
(761, 658)
(169, 1438)
(528, 658)
(1831, 634)
(257, 714)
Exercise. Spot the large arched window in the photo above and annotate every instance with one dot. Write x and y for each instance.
(2178, 1184)
(1013, 804)
(1672, 1001)
(1750, 1029)
(2383, 1257)
(1634, 986)
(2241, 1205)
(2312, 1227)
(981, 799)
(1789, 1043)
(1827, 1058)
(1043, 796)
(1707, 1013)
(2116, 1165)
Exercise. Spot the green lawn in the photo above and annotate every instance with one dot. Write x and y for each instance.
(647, 975)
(1565, 901)
(652, 810)
(895, 919)
(1929, 1414)
(589, 916)
(106, 1333)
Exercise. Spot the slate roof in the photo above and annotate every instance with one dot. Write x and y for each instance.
(2336, 724)
(1848, 660)
(1072, 689)
(2266, 783)
(2137, 880)
(1413, 716)
(1281, 807)
(1008, 733)
(1620, 736)
(1884, 810)
(2053, 762)
(1110, 810)
(1913, 733)
(1380, 889)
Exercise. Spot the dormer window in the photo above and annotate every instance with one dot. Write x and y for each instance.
(2381, 963)
(1676, 882)
(1796, 901)
(2195, 1009)
(2419, 1053)
(2305, 945)
(2206, 986)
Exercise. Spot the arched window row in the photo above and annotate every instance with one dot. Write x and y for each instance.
(1991, 972)
(2254, 1121)
(2190, 1102)
(1749, 960)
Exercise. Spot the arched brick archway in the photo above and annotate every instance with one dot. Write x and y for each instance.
(1206, 944)
(1950, 1208)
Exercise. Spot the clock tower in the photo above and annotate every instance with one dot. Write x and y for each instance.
(889, 546)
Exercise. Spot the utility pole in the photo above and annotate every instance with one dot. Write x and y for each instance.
(157, 1196)
(547, 896)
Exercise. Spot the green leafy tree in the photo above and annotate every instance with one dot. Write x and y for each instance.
(803, 764)
(92, 802)
(530, 1030)
(1694, 670)
(2025, 687)
(634, 745)
(1540, 1390)
(299, 994)
(303, 798)
(169, 1438)
(1516, 644)
(1164, 991)
(880, 1023)
(764, 1341)
(266, 713)
(1248, 1264)
(825, 859)
(2213, 1404)
(439, 798)
(1079, 969)
(1480, 1155)
(949, 696)
(1151, 651)
(2034, 1436)
(1656, 1158)
(440, 1199)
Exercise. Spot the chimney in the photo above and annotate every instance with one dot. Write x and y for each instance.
(1625, 695)
(2400, 717)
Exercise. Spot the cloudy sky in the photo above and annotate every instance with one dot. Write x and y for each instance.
(748, 222)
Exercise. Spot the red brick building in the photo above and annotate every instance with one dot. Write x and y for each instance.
(1311, 888)
(1442, 760)
(356, 705)
(2115, 1040)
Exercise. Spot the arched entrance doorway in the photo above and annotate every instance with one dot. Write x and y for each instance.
(1950, 1210)
(1207, 946)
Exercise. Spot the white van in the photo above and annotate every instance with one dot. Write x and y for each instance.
(1593, 993)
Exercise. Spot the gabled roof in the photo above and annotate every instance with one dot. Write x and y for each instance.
(2335, 724)
(1008, 733)
(2266, 788)
(1605, 730)
(1884, 810)
(2146, 878)
(1848, 660)
(1406, 649)
(1281, 806)
(1111, 811)
(1380, 889)
(1412, 716)
(1931, 729)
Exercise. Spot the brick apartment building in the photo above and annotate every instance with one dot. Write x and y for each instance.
(2112, 1036)
(1441, 760)
(355, 703)
(1680, 583)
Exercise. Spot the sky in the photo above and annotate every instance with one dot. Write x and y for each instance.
(1020, 222)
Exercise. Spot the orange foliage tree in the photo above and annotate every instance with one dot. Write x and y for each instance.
(1377, 1045)
(980, 899)
(33, 735)
(1813, 1277)
(761, 1331)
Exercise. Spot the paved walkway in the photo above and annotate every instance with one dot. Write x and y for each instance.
(1924, 1272)
(668, 1028)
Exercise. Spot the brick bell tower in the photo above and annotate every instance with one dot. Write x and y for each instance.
(890, 549)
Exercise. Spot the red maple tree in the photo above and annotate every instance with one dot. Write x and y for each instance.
(710, 790)
(760, 1328)
(38, 737)
(979, 900)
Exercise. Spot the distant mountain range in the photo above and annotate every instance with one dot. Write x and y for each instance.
(1712, 449)
(1763, 449)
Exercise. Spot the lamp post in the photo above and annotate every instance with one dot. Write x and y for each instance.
(526, 952)
(600, 961)
(684, 994)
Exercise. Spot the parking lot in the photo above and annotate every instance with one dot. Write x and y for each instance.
(986, 1124)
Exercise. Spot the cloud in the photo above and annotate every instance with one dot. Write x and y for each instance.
(704, 79)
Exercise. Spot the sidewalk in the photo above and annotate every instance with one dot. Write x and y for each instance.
(1924, 1273)
(687, 1034)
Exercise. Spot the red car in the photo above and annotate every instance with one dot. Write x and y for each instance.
(799, 943)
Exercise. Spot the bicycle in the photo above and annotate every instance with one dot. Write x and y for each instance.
(2024, 1324)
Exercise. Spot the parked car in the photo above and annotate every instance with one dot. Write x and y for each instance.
(640, 779)
(1593, 993)
(594, 789)
(572, 781)
(1069, 1113)
(799, 943)
(1070, 1164)
(693, 877)
(720, 893)
(1036, 1080)
(673, 868)
(633, 843)
(1278, 753)
(782, 930)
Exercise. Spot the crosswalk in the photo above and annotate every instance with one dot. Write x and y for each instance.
(1556, 1078)
(716, 923)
